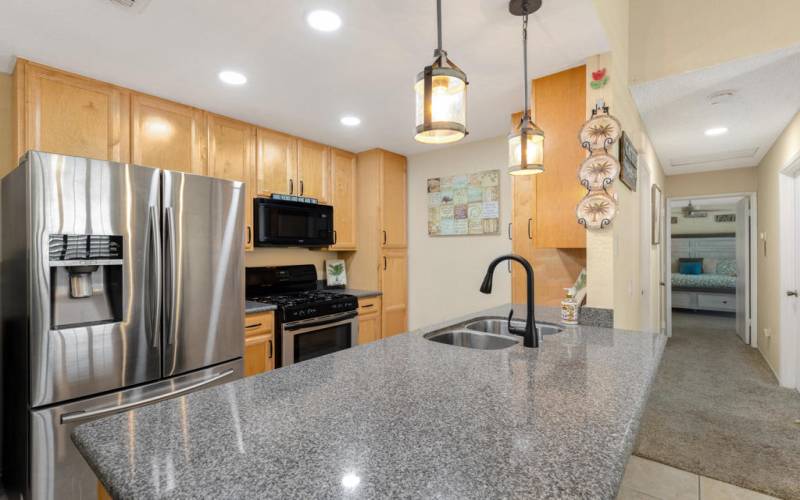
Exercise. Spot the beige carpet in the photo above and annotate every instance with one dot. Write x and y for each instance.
(717, 410)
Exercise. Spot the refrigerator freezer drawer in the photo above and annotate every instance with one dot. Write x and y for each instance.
(57, 468)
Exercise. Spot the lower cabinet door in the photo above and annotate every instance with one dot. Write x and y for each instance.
(258, 354)
(369, 328)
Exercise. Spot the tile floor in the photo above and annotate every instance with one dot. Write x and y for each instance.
(648, 480)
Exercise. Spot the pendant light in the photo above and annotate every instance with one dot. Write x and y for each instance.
(441, 94)
(526, 145)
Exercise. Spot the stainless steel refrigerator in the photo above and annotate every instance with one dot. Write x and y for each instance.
(121, 286)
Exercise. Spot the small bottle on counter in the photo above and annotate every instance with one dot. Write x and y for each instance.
(569, 308)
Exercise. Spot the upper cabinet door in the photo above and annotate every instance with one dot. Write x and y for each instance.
(343, 199)
(522, 231)
(313, 170)
(167, 135)
(232, 156)
(72, 115)
(560, 108)
(393, 201)
(276, 163)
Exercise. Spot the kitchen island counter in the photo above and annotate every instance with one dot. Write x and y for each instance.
(401, 417)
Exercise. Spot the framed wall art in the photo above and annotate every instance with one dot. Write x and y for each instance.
(629, 161)
(462, 205)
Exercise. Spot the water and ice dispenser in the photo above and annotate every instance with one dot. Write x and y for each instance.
(85, 280)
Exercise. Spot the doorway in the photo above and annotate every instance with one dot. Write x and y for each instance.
(789, 253)
(710, 270)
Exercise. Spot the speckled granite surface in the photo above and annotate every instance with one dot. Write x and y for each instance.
(595, 316)
(254, 307)
(402, 418)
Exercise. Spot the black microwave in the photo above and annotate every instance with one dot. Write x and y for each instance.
(292, 223)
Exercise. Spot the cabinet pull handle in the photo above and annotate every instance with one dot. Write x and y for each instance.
(302, 188)
(291, 186)
(269, 356)
(249, 235)
(384, 262)
(368, 305)
(384, 237)
(509, 231)
(334, 237)
(530, 236)
(254, 325)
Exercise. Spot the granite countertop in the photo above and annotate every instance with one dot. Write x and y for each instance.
(400, 417)
(254, 307)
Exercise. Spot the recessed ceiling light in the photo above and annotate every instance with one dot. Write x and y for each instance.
(232, 77)
(716, 131)
(324, 20)
(350, 121)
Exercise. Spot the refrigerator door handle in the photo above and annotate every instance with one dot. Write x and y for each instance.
(100, 412)
(154, 268)
(170, 289)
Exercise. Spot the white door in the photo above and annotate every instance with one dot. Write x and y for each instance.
(743, 269)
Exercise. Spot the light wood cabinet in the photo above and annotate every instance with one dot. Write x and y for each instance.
(369, 320)
(393, 200)
(560, 107)
(313, 169)
(394, 286)
(59, 112)
(259, 343)
(232, 156)
(343, 199)
(168, 135)
(380, 264)
(276, 163)
(522, 229)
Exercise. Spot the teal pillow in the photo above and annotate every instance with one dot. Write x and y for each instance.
(691, 268)
(727, 267)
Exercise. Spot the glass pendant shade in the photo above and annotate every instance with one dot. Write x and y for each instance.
(446, 106)
(534, 149)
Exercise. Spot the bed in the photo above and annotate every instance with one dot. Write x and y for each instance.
(714, 289)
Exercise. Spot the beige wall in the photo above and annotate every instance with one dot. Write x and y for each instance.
(668, 37)
(770, 286)
(6, 151)
(738, 180)
(444, 272)
(288, 257)
(613, 254)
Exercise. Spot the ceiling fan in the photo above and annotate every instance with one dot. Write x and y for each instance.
(690, 211)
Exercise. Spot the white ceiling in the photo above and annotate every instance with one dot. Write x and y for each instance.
(302, 81)
(676, 111)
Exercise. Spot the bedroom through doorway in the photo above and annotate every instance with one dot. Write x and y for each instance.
(710, 287)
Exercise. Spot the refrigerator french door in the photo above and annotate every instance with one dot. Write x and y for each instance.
(121, 286)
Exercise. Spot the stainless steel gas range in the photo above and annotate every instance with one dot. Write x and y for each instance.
(309, 322)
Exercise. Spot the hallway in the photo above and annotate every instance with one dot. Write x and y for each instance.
(717, 410)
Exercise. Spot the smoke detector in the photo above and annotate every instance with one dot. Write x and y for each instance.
(721, 97)
(135, 6)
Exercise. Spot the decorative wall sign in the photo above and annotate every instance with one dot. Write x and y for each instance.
(335, 273)
(725, 218)
(629, 159)
(596, 210)
(467, 204)
(598, 171)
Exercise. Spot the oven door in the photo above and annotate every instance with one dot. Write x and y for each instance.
(314, 337)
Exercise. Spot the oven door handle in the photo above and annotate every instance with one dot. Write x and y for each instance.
(324, 321)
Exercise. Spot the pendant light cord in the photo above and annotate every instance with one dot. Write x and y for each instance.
(439, 25)
(525, 64)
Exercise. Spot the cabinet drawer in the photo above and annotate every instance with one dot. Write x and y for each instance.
(369, 305)
(682, 299)
(259, 324)
(720, 302)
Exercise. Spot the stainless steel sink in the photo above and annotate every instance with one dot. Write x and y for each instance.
(472, 339)
(499, 326)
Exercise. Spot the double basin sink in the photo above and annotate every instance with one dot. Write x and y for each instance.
(487, 333)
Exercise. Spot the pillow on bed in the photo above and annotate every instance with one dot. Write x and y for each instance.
(690, 268)
(726, 267)
(710, 266)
